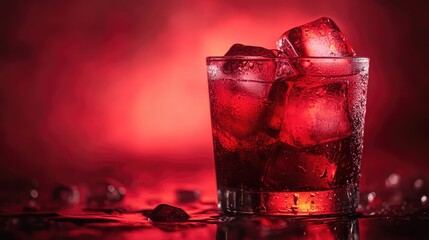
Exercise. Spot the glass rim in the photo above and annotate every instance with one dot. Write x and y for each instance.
(260, 58)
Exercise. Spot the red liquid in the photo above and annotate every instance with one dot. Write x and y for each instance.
(289, 147)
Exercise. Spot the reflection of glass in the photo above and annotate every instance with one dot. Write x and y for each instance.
(281, 228)
(287, 133)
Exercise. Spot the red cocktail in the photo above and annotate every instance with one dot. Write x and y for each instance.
(285, 142)
(288, 123)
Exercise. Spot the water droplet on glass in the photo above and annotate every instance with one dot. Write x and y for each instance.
(295, 198)
(294, 207)
(212, 71)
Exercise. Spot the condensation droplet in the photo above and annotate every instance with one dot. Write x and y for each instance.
(294, 207)
(295, 198)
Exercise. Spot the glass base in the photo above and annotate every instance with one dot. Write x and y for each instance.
(337, 201)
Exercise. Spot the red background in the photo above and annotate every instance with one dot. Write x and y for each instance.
(99, 88)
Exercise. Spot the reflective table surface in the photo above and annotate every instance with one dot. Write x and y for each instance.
(391, 208)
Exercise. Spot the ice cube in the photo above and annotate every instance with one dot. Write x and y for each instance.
(105, 193)
(261, 70)
(276, 100)
(244, 50)
(231, 143)
(321, 37)
(65, 195)
(235, 108)
(324, 66)
(187, 196)
(239, 94)
(315, 113)
(168, 213)
(299, 169)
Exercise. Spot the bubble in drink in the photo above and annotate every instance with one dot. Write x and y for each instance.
(321, 37)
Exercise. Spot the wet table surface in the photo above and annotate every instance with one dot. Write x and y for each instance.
(206, 223)
(386, 211)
